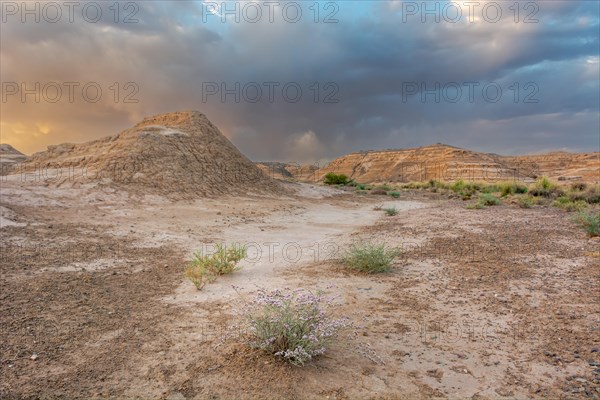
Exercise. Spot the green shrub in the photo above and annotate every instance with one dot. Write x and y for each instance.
(206, 268)
(543, 187)
(334, 179)
(488, 199)
(526, 202)
(592, 196)
(566, 204)
(370, 258)
(538, 192)
(457, 186)
(485, 199)
(466, 195)
(590, 222)
(544, 183)
(294, 325)
(361, 186)
(391, 211)
(521, 188)
(475, 186)
(385, 187)
(394, 194)
(440, 185)
(510, 188)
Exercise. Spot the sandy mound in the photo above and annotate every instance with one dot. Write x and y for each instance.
(9, 158)
(448, 163)
(563, 166)
(177, 155)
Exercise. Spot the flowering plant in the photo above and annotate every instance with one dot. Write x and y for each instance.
(294, 325)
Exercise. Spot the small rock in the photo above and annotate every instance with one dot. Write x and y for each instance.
(33, 357)
(594, 363)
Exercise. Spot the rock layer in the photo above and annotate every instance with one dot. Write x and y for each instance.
(448, 163)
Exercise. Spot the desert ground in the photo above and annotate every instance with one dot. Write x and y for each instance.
(481, 302)
(500, 302)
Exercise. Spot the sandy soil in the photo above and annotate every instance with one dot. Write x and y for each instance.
(493, 303)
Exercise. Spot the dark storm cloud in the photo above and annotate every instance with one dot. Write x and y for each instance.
(377, 61)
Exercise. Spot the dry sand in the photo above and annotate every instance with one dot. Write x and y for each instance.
(493, 303)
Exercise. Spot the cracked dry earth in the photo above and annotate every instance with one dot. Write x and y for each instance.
(485, 304)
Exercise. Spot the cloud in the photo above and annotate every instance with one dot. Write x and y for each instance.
(365, 63)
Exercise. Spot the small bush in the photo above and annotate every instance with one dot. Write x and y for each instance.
(488, 199)
(440, 185)
(390, 212)
(370, 258)
(520, 188)
(544, 183)
(526, 202)
(335, 179)
(543, 187)
(457, 186)
(361, 186)
(592, 196)
(294, 325)
(590, 222)
(394, 194)
(577, 196)
(206, 268)
(385, 187)
(473, 186)
(510, 188)
(578, 186)
(466, 195)
(537, 192)
(566, 204)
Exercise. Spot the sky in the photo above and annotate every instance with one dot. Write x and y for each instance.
(307, 81)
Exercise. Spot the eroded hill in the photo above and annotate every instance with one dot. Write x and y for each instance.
(448, 163)
(178, 155)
